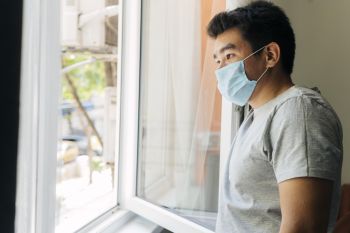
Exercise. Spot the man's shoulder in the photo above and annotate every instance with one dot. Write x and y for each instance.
(303, 99)
(306, 106)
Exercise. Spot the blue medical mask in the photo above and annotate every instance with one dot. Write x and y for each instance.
(234, 84)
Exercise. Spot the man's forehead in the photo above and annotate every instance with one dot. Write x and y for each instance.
(223, 47)
(230, 39)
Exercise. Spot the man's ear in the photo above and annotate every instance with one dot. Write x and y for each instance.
(273, 54)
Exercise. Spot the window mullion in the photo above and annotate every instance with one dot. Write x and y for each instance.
(130, 63)
(27, 146)
(48, 106)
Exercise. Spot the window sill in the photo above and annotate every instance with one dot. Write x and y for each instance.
(140, 225)
(124, 221)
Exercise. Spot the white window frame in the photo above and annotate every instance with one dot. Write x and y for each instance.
(131, 58)
(40, 90)
(39, 111)
(38, 117)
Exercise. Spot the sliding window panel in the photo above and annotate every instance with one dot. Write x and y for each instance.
(180, 110)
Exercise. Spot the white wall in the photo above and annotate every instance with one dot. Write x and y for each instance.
(323, 55)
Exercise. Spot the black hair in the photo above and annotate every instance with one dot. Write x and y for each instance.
(260, 23)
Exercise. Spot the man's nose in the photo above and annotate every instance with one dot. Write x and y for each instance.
(222, 64)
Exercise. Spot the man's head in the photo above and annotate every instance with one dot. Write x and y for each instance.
(239, 32)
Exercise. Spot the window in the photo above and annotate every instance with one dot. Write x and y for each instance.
(86, 165)
(162, 159)
(86, 186)
(179, 122)
(67, 177)
(86, 154)
(170, 127)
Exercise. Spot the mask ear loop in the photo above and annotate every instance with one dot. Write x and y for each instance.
(254, 53)
(262, 75)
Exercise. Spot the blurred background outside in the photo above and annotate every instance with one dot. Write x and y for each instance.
(86, 144)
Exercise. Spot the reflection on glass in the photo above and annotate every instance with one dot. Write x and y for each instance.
(86, 143)
(179, 134)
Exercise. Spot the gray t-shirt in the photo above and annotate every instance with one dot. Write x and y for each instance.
(297, 134)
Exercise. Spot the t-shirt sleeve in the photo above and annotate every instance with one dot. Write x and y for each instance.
(305, 140)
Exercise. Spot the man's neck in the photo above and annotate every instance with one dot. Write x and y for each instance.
(270, 87)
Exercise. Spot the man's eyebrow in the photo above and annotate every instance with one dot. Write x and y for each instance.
(226, 47)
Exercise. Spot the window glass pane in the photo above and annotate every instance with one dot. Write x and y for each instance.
(179, 134)
(85, 186)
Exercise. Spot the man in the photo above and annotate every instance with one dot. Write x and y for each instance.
(283, 170)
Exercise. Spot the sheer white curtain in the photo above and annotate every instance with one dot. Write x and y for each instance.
(184, 59)
(178, 150)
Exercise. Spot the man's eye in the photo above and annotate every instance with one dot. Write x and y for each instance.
(229, 56)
